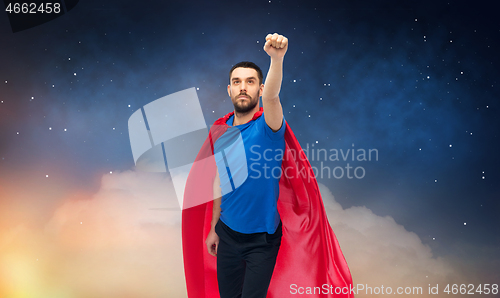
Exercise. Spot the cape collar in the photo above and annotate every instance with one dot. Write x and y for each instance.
(255, 116)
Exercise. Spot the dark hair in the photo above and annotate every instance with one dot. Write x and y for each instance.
(247, 64)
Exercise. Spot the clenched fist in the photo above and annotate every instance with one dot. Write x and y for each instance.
(276, 45)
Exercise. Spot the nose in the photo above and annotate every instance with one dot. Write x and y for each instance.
(243, 87)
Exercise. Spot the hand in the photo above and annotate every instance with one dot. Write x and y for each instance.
(212, 242)
(276, 45)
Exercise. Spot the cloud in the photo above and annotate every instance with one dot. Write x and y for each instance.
(125, 241)
(380, 252)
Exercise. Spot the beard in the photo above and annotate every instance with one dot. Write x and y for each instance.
(246, 106)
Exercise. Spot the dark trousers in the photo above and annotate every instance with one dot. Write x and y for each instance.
(245, 262)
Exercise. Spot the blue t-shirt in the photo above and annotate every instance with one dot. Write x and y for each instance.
(248, 158)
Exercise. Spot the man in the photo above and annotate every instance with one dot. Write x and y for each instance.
(245, 231)
(246, 212)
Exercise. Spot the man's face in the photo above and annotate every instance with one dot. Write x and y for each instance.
(244, 89)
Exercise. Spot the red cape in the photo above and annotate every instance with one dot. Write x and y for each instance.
(309, 255)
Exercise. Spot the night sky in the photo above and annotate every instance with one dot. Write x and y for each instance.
(416, 80)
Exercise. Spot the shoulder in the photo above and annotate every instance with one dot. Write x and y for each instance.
(222, 120)
(274, 135)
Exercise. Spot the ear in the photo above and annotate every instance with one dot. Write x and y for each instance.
(261, 89)
(229, 90)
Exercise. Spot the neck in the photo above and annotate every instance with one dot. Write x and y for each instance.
(242, 118)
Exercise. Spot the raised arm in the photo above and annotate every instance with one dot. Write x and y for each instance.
(276, 46)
